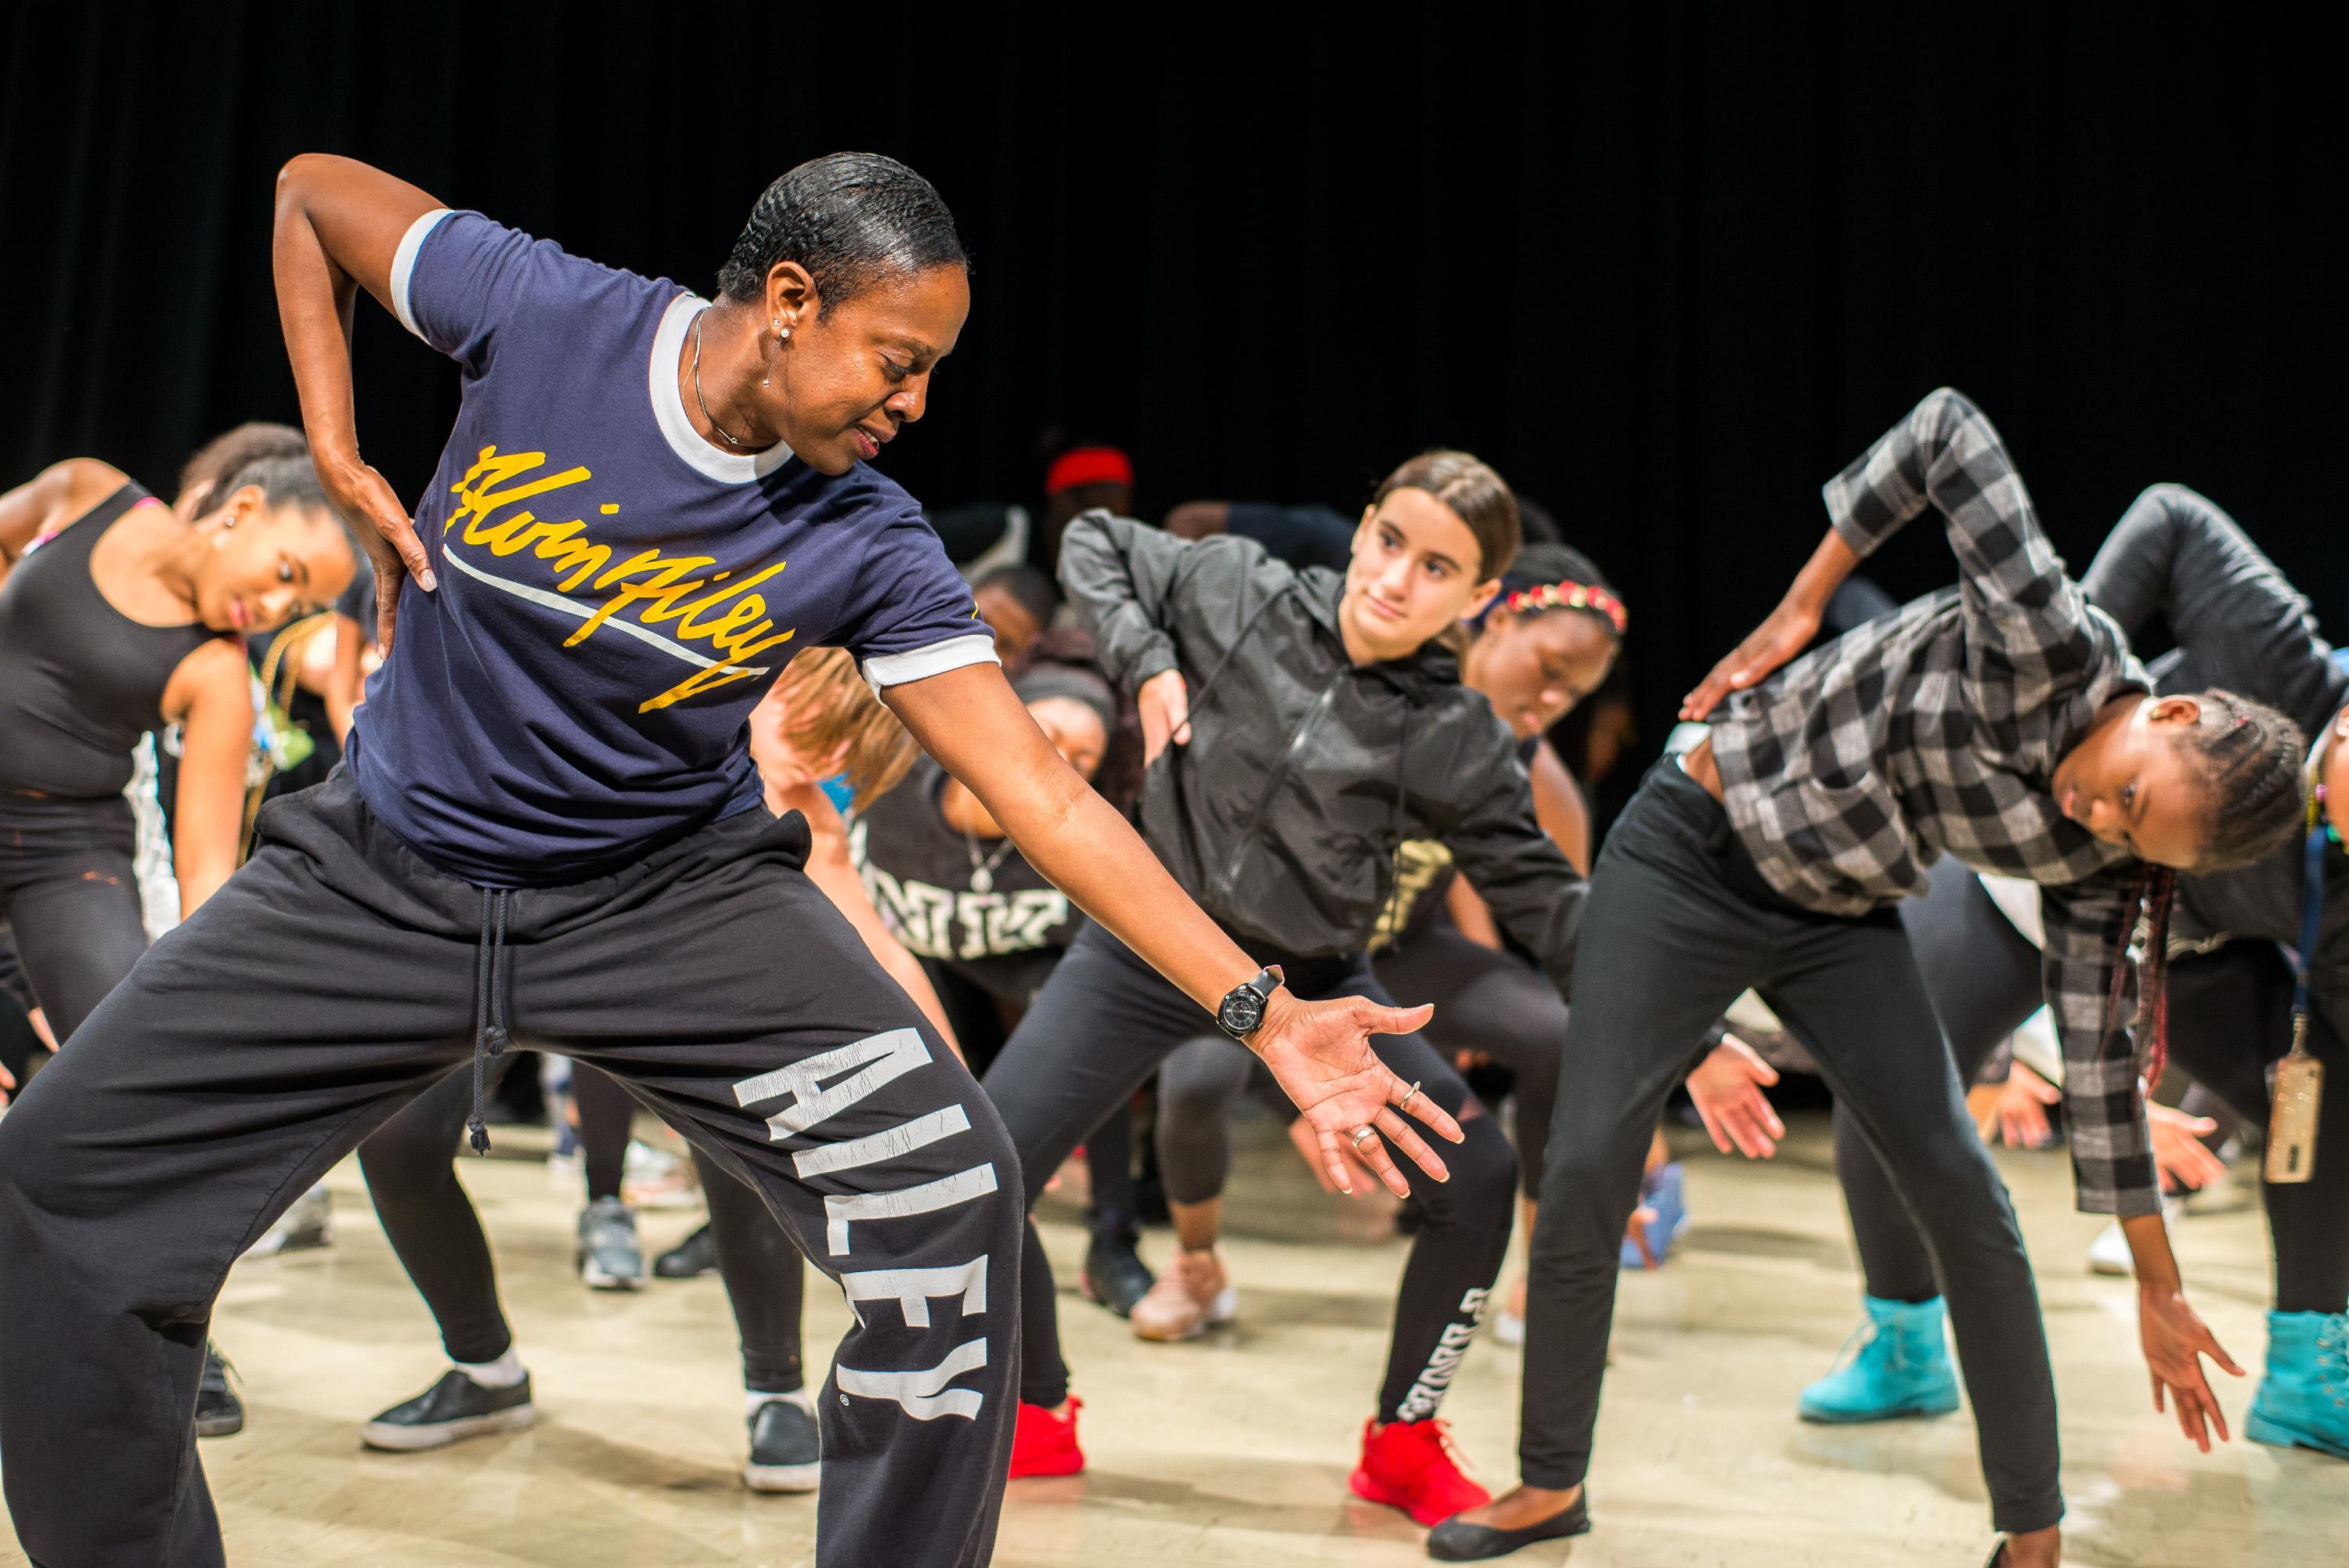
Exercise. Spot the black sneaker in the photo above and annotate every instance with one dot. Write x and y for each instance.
(609, 1255)
(694, 1257)
(1115, 1274)
(785, 1455)
(219, 1412)
(454, 1409)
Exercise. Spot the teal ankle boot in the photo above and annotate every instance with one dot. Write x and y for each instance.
(2303, 1400)
(1901, 1368)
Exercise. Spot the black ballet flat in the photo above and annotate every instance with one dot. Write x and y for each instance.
(1457, 1541)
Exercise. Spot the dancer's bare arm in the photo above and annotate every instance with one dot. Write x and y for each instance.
(970, 720)
(211, 697)
(834, 875)
(50, 499)
(339, 227)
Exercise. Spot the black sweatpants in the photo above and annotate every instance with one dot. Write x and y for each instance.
(69, 890)
(1104, 1022)
(1680, 921)
(332, 980)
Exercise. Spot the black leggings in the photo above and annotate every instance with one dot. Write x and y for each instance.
(2230, 1016)
(979, 994)
(1679, 923)
(410, 1168)
(70, 892)
(1106, 1020)
(1485, 1000)
(1982, 976)
(1491, 1002)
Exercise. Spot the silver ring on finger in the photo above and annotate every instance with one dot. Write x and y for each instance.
(1361, 1134)
(1408, 1096)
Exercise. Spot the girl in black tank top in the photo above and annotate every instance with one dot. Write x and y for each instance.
(117, 617)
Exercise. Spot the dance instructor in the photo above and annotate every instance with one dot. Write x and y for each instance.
(2005, 723)
(548, 823)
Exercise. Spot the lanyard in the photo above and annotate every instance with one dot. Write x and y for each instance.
(2311, 916)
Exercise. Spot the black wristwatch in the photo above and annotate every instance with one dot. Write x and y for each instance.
(1242, 1008)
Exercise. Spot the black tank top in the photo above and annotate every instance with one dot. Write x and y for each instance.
(79, 680)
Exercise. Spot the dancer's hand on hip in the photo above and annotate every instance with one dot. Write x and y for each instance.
(1726, 1088)
(1163, 705)
(1789, 630)
(383, 525)
(1320, 1054)
(2176, 1339)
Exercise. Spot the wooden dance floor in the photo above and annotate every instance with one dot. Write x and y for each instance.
(1235, 1450)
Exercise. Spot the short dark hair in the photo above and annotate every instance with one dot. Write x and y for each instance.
(1029, 588)
(850, 218)
(231, 451)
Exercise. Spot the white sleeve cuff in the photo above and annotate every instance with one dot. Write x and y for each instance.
(403, 264)
(884, 670)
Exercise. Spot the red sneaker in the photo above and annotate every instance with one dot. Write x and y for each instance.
(1411, 1465)
(1046, 1444)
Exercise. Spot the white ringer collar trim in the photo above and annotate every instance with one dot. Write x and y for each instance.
(668, 407)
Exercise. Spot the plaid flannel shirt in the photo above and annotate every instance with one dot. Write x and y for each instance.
(1935, 730)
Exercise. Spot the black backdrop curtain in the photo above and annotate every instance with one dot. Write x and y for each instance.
(1667, 266)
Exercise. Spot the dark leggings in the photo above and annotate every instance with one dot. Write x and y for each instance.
(410, 1168)
(1982, 976)
(1678, 922)
(2230, 1016)
(1491, 1002)
(70, 892)
(1485, 1000)
(1105, 1021)
(980, 994)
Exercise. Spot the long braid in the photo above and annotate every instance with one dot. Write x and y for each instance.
(2250, 756)
(2145, 936)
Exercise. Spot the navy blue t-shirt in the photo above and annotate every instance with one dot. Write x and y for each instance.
(614, 594)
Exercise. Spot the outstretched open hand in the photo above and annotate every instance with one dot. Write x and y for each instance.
(1320, 1054)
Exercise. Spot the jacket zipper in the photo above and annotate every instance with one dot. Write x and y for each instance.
(1296, 744)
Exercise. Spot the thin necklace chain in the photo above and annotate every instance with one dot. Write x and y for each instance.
(982, 872)
(724, 434)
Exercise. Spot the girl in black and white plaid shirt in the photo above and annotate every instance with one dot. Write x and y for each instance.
(2003, 722)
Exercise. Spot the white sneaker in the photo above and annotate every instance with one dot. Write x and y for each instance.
(2109, 1253)
(310, 1223)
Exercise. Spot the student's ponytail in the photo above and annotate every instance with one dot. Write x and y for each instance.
(829, 709)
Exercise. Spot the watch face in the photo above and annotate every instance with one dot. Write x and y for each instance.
(1242, 1011)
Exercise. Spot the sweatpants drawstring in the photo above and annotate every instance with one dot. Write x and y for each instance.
(490, 1037)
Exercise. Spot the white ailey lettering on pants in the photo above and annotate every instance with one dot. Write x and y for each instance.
(1451, 1348)
(885, 1058)
(912, 1289)
(872, 1064)
(923, 1394)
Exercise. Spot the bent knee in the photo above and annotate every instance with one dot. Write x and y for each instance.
(1483, 1173)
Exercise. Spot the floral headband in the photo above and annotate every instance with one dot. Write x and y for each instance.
(1573, 596)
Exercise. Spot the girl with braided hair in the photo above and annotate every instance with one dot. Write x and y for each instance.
(2220, 987)
(2005, 723)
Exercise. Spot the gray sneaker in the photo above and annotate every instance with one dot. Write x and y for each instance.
(609, 1255)
(786, 1454)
